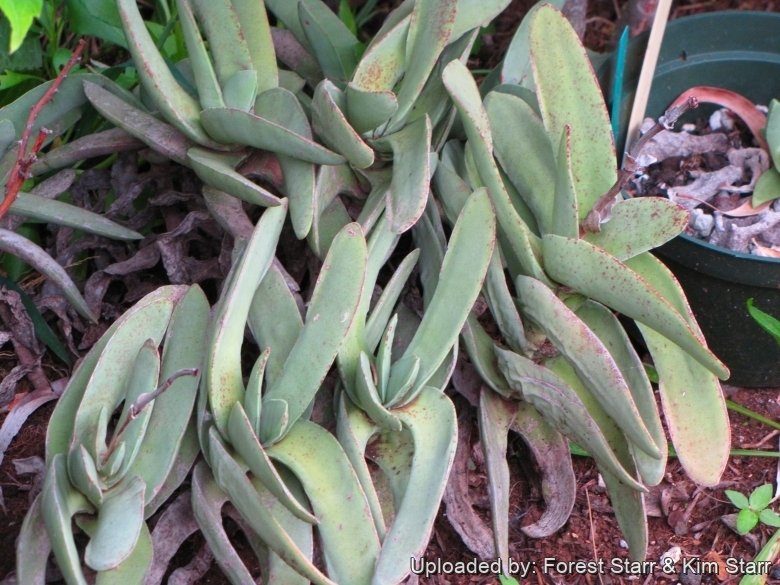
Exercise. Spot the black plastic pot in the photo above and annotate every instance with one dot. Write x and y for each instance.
(737, 51)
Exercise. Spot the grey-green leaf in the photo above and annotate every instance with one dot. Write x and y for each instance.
(236, 126)
(593, 272)
(37, 257)
(50, 210)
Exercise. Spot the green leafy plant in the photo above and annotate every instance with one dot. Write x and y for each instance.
(754, 508)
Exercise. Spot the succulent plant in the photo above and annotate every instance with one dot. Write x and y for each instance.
(544, 152)
(537, 157)
(110, 480)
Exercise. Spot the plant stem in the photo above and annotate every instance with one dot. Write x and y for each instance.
(602, 209)
(142, 402)
(24, 160)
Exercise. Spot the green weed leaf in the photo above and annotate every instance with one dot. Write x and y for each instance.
(769, 517)
(760, 497)
(20, 14)
(738, 499)
(746, 521)
(767, 322)
(96, 18)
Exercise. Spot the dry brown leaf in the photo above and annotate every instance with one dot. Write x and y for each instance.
(753, 118)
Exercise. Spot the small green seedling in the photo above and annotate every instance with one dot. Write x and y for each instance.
(754, 508)
(507, 580)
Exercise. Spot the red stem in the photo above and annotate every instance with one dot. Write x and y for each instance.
(24, 160)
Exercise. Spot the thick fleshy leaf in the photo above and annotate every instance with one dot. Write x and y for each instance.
(627, 503)
(106, 387)
(516, 66)
(380, 314)
(692, 399)
(207, 502)
(142, 379)
(476, 13)
(93, 145)
(479, 347)
(462, 273)
(332, 43)
(35, 256)
(223, 378)
(244, 441)
(133, 569)
(463, 89)
(275, 321)
(256, 31)
(331, 311)
(215, 169)
(503, 306)
(604, 324)
(354, 430)
(565, 221)
(495, 419)
(65, 107)
(411, 174)
(158, 135)
(638, 225)
(226, 40)
(430, 29)
(331, 125)
(184, 347)
(119, 523)
(562, 408)
(232, 479)
(7, 135)
(589, 357)
(525, 152)
(368, 110)
(253, 397)
(383, 63)
(281, 107)
(569, 93)
(47, 210)
(209, 91)
(32, 547)
(59, 503)
(83, 473)
(188, 451)
(553, 458)
(330, 214)
(431, 422)
(592, 272)
(236, 126)
(240, 90)
(172, 100)
(349, 540)
(131, 330)
(369, 400)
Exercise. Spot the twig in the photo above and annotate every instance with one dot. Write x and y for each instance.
(20, 172)
(142, 402)
(602, 209)
(592, 531)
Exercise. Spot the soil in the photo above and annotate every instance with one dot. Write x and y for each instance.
(682, 514)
